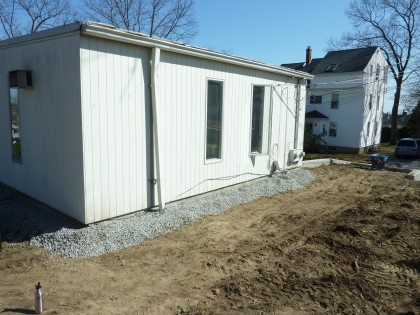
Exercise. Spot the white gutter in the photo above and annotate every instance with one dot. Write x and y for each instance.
(155, 94)
(143, 40)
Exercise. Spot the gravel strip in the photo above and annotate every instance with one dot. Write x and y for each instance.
(21, 221)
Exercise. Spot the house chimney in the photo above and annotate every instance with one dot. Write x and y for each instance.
(308, 55)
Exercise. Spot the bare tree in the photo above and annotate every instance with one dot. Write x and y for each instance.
(29, 16)
(43, 14)
(124, 14)
(172, 19)
(10, 26)
(394, 25)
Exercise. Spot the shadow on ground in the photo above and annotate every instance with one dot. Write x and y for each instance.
(21, 219)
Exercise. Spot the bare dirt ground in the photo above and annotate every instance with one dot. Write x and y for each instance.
(348, 243)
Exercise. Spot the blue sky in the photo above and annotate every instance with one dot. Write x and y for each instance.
(272, 31)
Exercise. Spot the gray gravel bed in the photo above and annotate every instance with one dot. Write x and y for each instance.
(62, 236)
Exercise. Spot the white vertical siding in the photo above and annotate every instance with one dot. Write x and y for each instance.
(85, 127)
(353, 115)
(115, 111)
(182, 114)
(52, 169)
(376, 87)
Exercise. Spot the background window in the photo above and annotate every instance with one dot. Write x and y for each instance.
(260, 119)
(214, 119)
(333, 129)
(385, 74)
(370, 101)
(15, 125)
(315, 99)
(334, 101)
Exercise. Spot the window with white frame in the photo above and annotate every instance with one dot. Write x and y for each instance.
(370, 101)
(334, 101)
(214, 119)
(371, 70)
(260, 119)
(378, 71)
(368, 129)
(333, 129)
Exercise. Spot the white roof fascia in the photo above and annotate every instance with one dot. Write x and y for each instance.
(38, 36)
(108, 32)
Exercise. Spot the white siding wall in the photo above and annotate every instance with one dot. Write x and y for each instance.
(115, 108)
(50, 123)
(182, 119)
(377, 88)
(348, 115)
(353, 115)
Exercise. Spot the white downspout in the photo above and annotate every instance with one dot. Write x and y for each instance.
(155, 93)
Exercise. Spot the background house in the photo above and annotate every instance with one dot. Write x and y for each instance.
(345, 99)
(97, 122)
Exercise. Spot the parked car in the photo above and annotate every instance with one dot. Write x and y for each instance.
(408, 147)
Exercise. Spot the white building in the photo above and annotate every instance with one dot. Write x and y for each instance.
(98, 122)
(345, 99)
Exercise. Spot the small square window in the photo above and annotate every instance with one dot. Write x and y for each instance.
(315, 99)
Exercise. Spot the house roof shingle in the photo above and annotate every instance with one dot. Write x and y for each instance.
(350, 60)
(315, 114)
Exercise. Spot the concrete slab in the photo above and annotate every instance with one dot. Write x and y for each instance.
(315, 163)
(414, 175)
(339, 162)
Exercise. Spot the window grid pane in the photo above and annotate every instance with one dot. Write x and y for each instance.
(334, 101)
(315, 99)
(333, 129)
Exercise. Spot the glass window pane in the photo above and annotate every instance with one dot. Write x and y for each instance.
(257, 118)
(260, 119)
(15, 124)
(334, 101)
(333, 129)
(214, 119)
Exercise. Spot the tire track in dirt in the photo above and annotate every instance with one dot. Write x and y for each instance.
(348, 243)
(328, 265)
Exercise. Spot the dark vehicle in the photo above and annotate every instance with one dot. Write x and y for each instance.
(408, 147)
